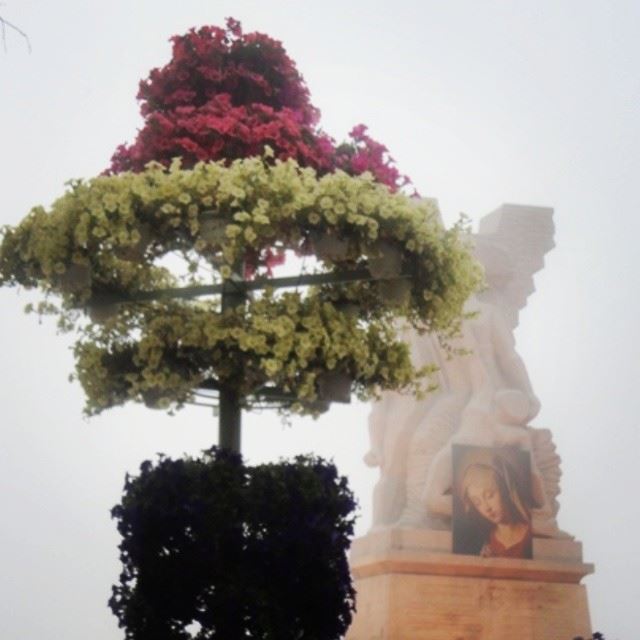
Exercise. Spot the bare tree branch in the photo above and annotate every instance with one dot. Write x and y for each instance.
(3, 33)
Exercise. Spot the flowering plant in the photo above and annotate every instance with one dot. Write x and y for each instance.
(109, 239)
(226, 95)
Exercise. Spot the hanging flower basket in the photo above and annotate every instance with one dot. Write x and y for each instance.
(156, 398)
(212, 229)
(335, 386)
(386, 261)
(316, 407)
(134, 251)
(396, 292)
(329, 246)
(348, 307)
(74, 278)
(101, 313)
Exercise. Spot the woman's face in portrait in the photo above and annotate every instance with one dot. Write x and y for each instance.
(483, 493)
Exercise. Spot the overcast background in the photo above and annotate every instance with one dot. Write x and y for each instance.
(531, 102)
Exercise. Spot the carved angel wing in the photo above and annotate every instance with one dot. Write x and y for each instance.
(511, 244)
(548, 463)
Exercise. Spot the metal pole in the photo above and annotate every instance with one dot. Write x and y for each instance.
(230, 415)
(230, 419)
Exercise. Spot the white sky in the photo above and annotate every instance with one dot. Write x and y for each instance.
(481, 103)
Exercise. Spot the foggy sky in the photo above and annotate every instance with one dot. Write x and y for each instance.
(480, 103)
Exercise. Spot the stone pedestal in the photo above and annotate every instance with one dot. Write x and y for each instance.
(411, 587)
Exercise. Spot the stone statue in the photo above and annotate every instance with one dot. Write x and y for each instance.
(484, 397)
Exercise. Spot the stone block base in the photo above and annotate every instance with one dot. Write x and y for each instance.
(410, 587)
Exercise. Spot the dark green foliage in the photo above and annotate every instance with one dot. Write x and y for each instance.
(301, 524)
(213, 549)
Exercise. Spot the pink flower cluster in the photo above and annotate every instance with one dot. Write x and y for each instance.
(362, 153)
(226, 95)
(219, 130)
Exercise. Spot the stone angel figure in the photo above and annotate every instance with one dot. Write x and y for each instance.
(484, 397)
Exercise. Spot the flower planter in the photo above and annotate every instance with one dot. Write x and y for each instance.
(212, 231)
(317, 406)
(155, 398)
(386, 261)
(329, 247)
(348, 307)
(135, 252)
(75, 279)
(102, 313)
(396, 292)
(334, 386)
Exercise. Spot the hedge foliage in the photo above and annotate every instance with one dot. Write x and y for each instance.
(212, 548)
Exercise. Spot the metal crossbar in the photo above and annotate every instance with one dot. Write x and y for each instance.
(237, 286)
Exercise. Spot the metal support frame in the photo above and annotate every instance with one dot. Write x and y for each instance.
(240, 286)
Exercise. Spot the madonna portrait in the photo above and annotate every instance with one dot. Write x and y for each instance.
(492, 502)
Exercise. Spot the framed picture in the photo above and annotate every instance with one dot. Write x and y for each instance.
(492, 502)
